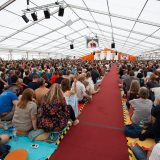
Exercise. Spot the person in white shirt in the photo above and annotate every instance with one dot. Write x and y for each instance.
(107, 67)
(152, 154)
(91, 84)
(155, 154)
(81, 90)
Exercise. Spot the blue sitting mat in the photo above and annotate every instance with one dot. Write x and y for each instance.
(41, 153)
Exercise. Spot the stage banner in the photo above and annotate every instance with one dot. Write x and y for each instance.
(92, 42)
(124, 57)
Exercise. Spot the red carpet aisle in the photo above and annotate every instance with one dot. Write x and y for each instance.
(99, 136)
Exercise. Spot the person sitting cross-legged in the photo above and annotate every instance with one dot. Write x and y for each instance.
(54, 113)
(35, 82)
(25, 116)
(141, 107)
(70, 95)
(83, 97)
(8, 102)
(42, 90)
(133, 92)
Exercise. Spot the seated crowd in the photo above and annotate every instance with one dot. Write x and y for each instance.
(44, 94)
(141, 86)
(40, 97)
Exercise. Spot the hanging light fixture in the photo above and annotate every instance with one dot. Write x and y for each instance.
(71, 46)
(61, 11)
(34, 16)
(47, 14)
(25, 18)
(112, 45)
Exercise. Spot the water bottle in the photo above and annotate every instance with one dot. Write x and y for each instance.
(5, 126)
(141, 124)
(14, 133)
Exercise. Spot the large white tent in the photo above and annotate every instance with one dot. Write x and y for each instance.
(134, 25)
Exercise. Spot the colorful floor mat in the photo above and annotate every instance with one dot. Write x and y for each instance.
(43, 152)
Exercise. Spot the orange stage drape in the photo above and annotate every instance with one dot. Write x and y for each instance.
(88, 57)
(91, 56)
(132, 58)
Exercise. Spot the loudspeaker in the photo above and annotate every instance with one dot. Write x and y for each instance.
(113, 45)
(71, 46)
(61, 11)
(47, 14)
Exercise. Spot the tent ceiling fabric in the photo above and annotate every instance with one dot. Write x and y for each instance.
(134, 25)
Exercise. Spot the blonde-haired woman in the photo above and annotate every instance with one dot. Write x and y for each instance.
(54, 113)
(25, 115)
(133, 92)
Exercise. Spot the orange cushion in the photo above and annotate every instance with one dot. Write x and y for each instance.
(18, 154)
(21, 132)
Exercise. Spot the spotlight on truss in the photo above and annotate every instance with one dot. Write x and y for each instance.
(25, 18)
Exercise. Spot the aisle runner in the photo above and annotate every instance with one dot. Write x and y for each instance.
(91, 139)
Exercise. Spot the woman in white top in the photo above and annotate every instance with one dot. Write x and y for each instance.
(155, 154)
(81, 93)
(70, 95)
(91, 84)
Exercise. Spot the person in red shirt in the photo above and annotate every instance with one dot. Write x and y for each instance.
(53, 78)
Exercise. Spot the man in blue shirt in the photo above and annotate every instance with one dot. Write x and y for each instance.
(8, 100)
